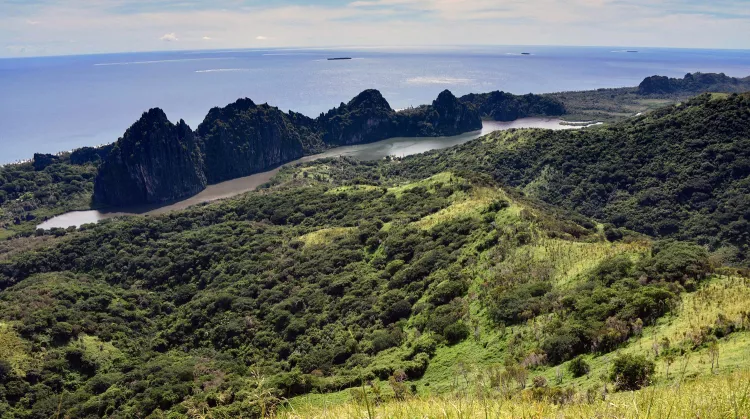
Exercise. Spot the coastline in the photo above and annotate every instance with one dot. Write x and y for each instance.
(398, 146)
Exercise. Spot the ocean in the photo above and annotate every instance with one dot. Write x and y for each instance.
(52, 104)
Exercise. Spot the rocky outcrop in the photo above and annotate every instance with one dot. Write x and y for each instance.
(368, 118)
(365, 119)
(155, 161)
(448, 116)
(501, 106)
(244, 138)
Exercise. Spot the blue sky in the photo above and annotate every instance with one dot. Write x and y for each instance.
(55, 27)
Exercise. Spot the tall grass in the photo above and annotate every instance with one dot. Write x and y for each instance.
(726, 396)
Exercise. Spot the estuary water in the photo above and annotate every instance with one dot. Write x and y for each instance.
(54, 104)
(373, 151)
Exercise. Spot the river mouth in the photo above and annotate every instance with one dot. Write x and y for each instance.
(399, 147)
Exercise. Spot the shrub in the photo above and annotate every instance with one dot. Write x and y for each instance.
(612, 233)
(539, 382)
(676, 262)
(424, 344)
(401, 309)
(456, 332)
(631, 372)
(447, 291)
(384, 339)
(578, 367)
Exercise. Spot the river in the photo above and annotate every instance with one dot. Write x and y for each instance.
(391, 147)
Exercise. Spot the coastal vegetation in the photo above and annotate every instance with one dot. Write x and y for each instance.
(319, 286)
(347, 286)
(600, 272)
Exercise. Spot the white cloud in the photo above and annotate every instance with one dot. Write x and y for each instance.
(33, 22)
(97, 29)
(170, 37)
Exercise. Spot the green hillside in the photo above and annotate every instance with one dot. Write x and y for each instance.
(679, 172)
(401, 287)
(313, 287)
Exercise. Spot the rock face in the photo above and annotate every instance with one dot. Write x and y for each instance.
(368, 118)
(449, 116)
(155, 161)
(365, 119)
(244, 138)
(501, 106)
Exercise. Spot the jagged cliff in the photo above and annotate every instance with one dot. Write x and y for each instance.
(155, 161)
(446, 116)
(244, 138)
(366, 118)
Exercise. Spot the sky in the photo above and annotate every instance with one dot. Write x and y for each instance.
(64, 27)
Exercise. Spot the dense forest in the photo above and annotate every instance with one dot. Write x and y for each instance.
(340, 273)
(315, 285)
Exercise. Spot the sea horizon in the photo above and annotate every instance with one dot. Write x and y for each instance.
(43, 109)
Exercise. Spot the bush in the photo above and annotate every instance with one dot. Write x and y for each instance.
(631, 372)
(447, 291)
(399, 310)
(676, 262)
(424, 344)
(456, 333)
(611, 233)
(539, 382)
(578, 367)
(384, 339)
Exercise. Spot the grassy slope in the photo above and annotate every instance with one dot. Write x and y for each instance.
(461, 366)
(456, 372)
(724, 396)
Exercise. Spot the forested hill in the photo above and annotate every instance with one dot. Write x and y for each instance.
(653, 92)
(156, 161)
(401, 273)
(316, 286)
(693, 83)
(682, 171)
